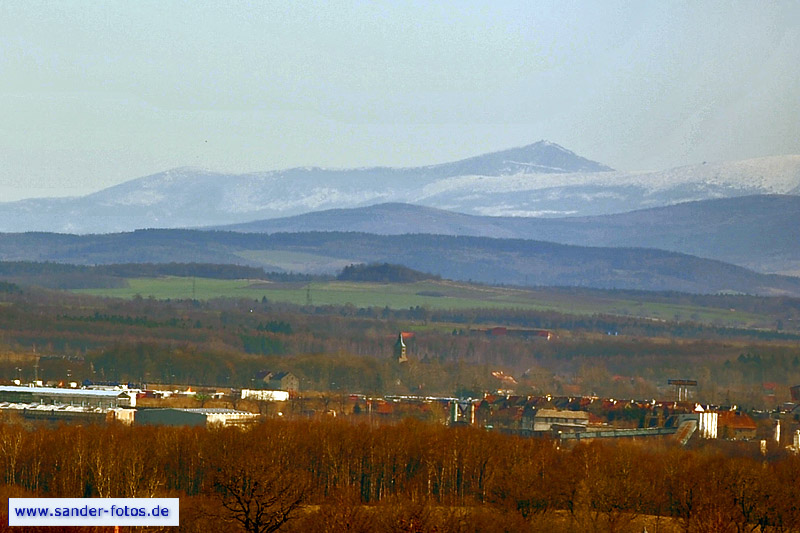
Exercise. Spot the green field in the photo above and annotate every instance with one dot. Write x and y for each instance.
(430, 294)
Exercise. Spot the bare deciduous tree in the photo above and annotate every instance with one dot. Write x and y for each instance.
(258, 489)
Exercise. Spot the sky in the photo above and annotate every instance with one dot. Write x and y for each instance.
(93, 94)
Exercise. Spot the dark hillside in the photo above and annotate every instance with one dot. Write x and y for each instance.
(758, 232)
(68, 276)
(383, 272)
(496, 261)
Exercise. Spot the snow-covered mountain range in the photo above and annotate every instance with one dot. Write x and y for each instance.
(542, 179)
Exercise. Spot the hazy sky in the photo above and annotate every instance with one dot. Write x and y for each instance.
(96, 93)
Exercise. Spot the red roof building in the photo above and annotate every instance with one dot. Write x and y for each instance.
(736, 426)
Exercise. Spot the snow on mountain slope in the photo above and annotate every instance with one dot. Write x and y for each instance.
(598, 193)
(541, 179)
(770, 175)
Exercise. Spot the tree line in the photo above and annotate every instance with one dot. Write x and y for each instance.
(71, 276)
(329, 475)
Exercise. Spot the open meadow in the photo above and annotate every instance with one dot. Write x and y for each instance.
(441, 294)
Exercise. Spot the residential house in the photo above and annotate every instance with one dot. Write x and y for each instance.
(735, 426)
(285, 381)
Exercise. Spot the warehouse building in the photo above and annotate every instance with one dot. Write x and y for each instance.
(193, 417)
(87, 398)
(56, 413)
(554, 419)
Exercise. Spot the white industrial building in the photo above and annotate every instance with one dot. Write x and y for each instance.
(90, 398)
(265, 395)
(707, 424)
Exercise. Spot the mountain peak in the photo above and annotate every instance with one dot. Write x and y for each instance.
(542, 157)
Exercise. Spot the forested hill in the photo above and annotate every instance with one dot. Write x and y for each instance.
(382, 273)
(761, 233)
(499, 261)
(133, 270)
(70, 276)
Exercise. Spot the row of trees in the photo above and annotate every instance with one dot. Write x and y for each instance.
(70, 276)
(315, 475)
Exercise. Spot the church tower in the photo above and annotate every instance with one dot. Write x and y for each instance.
(400, 349)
